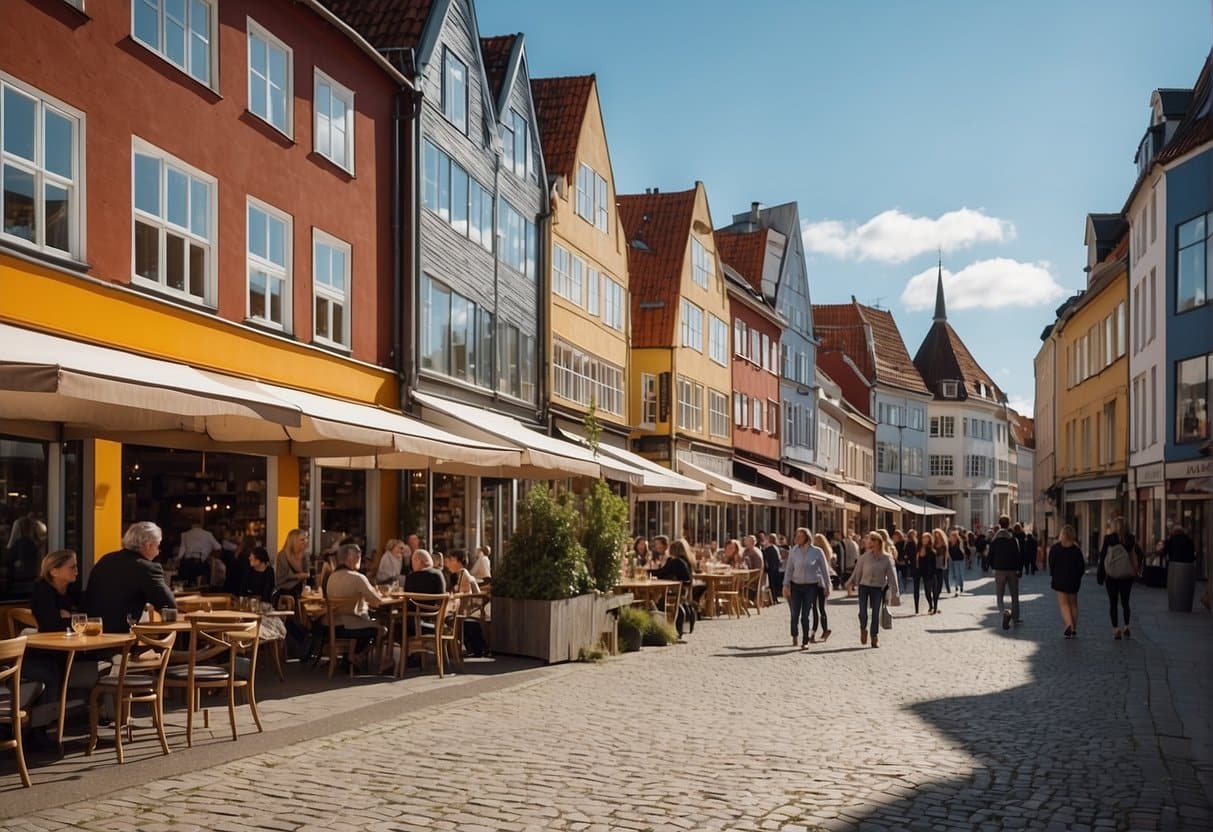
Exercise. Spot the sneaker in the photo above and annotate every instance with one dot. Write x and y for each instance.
(1006, 620)
(863, 636)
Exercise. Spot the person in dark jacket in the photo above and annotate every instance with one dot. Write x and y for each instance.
(258, 580)
(1119, 587)
(678, 567)
(981, 545)
(1066, 567)
(772, 563)
(1006, 560)
(123, 582)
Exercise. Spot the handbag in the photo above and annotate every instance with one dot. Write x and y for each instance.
(895, 601)
(886, 618)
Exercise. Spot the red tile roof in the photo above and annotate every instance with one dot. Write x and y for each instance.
(893, 364)
(560, 107)
(496, 53)
(658, 227)
(885, 360)
(385, 24)
(851, 383)
(1023, 428)
(1197, 126)
(746, 252)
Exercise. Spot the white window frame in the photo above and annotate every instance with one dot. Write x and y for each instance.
(690, 408)
(320, 237)
(144, 148)
(212, 46)
(75, 186)
(950, 389)
(346, 96)
(718, 340)
(701, 264)
(273, 271)
(447, 100)
(255, 29)
(718, 413)
(593, 291)
(613, 303)
(648, 399)
(692, 336)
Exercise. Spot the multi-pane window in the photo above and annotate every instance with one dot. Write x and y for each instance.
(515, 362)
(331, 289)
(269, 78)
(978, 466)
(517, 241)
(612, 304)
(718, 340)
(740, 339)
(912, 461)
(1192, 399)
(566, 274)
(692, 326)
(457, 198)
(886, 458)
(648, 393)
(1194, 258)
(455, 90)
(591, 203)
(40, 171)
(592, 290)
(583, 378)
(180, 31)
(456, 335)
(516, 143)
(269, 264)
(917, 415)
(174, 224)
(690, 405)
(941, 465)
(718, 413)
(334, 129)
(702, 267)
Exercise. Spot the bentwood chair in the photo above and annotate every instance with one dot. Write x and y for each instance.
(473, 610)
(21, 619)
(216, 647)
(337, 640)
(751, 592)
(139, 682)
(12, 651)
(728, 595)
(422, 623)
(671, 602)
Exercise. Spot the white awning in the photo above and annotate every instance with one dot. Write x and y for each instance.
(791, 483)
(921, 507)
(727, 488)
(100, 389)
(650, 475)
(542, 456)
(868, 495)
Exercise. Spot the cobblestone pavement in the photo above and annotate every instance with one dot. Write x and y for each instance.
(951, 724)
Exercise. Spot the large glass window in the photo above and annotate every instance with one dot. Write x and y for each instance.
(518, 240)
(334, 129)
(566, 274)
(701, 263)
(180, 31)
(174, 224)
(463, 338)
(1192, 399)
(270, 91)
(435, 326)
(40, 162)
(455, 196)
(516, 143)
(331, 272)
(690, 405)
(1193, 267)
(580, 377)
(508, 360)
(718, 340)
(269, 264)
(23, 506)
(692, 326)
(455, 90)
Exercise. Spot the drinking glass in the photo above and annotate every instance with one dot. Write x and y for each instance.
(79, 622)
(92, 626)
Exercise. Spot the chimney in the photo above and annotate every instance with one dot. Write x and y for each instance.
(754, 212)
(656, 190)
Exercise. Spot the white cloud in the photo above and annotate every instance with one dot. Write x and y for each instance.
(986, 284)
(894, 237)
(1024, 405)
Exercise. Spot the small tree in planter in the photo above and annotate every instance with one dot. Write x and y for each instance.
(604, 514)
(544, 560)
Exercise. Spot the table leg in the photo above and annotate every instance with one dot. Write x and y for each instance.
(67, 675)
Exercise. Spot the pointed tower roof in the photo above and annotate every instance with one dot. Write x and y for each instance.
(941, 310)
(944, 357)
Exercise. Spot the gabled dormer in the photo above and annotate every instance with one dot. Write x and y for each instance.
(509, 79)
(1167, 109)
(1103, 232)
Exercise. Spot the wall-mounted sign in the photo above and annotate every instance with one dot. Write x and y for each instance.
(663, 397)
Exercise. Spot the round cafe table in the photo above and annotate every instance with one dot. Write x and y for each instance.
(71, 645)
(649, 591)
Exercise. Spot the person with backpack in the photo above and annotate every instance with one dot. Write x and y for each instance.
(1119, 566)
(1006, 560)
(1066, 567)
(981, 545)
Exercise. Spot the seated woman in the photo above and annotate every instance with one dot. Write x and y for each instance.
(732, 554)
(259, 583)
(482, 566)
(462, 581)
(55, 595)
(678, 567)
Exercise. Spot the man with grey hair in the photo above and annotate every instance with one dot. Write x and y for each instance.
(123, 582)
(425, 577)
(357, 597)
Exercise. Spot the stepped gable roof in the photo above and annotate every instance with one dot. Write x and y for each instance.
(658, 226)
(944, 357)
(560, 108)
(385, 24)
(1197, 126)
(746, 252)
(495, 51)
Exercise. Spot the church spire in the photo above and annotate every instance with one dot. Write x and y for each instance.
(941, 311)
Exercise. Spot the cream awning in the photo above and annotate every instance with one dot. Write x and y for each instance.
(542, 456)
(921, 507)
(725, 488)
(105, 390)
(792, 484)
(643, 474)
(868, 495)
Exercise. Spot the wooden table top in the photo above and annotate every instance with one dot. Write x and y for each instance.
(70, 644)
(632, 584)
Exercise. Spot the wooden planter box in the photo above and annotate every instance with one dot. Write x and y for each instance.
(554, 631)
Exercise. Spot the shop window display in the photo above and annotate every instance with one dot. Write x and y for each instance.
(23, 531)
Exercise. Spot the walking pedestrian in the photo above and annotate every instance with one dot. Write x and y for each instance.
(939, 543)
(1066, 567)
(924, 573)
(981, 545)
(1030, 551)
(773, 565)
(1119, 566)
(1006, 561)
(819, 606)
(899, 543)
(874, 573)
(849, 554)
(805, 576)
(956, 562)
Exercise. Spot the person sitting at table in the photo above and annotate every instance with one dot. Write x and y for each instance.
(291, 567)
(464, 582)
(482, 566)
(55, 596)
(424, 578)
(640, 552)
(122, 583)
(259, 579)
(732, 553)
(353, 619)
(661, 545)
(680, 567)
(391, 562)
(239, 565)
(751, 556)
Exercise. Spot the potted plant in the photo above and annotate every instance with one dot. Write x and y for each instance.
(632, 624)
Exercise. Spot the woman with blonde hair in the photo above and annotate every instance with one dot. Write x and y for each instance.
(390, 564)
(927, 570)
(939, 548)
(806, 576)
(732, 553)
(819, 604)
(1066, 567)
(291, 565)
(875, 573)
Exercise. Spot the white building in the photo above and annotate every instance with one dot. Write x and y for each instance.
(968, 444)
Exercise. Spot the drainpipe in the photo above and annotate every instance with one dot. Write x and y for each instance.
(414, 247)
(542, 297)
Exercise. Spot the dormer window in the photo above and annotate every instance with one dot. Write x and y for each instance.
(950, 389)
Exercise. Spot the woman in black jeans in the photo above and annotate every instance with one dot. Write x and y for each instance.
(677, 567)
(925, 573)
(1119, 579)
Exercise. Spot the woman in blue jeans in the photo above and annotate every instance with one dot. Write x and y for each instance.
(874, 572)
(805, 576)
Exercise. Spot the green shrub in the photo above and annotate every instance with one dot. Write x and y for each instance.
(604, 533)
(544, 560)
(633, 622)
(654, 630)
(661, 633)
(593, 655)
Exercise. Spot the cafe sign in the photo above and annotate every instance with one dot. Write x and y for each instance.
(1191, 468)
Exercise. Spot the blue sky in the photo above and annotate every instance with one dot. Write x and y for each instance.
(991, 129)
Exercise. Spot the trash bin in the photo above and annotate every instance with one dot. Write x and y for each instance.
(1181, 586)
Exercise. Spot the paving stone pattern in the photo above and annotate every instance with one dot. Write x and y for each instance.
(951, 724)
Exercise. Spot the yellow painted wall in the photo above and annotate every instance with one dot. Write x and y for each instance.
(83, 309)
(285, 503)
(107, 497)
(389, 500)
(606, 252)
(655, 362)
(1088, 398)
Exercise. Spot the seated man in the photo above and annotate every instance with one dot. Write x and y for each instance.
(123, 582)
(425, 578)
(352, 618)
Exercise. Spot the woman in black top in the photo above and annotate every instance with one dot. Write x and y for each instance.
(1119, 586)
(55, 595)
(677, 567)
(926, 572)
(1066, 566)
(956, 561)
(259, 579)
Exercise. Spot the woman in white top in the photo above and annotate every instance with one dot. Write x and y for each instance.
(806, 576)
(874, 571)
(464, 582)
(482, 566)
(391, 562)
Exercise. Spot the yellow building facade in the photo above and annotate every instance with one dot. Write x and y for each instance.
(1092, 415)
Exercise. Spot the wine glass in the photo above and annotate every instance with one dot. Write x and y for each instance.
(79, 622)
